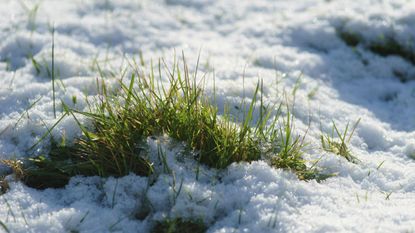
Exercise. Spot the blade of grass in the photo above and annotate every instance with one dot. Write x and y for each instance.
(53, 71)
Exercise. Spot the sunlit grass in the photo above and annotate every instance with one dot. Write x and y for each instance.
(340, 146)
(123, 119)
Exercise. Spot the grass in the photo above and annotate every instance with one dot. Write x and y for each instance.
(384, 46)
(4, 185)
(5, 228)
(123, 119)
(340, 146)
(114, 144)
(288, 153)
(16, 166)
(179, 225)
(350, 38)
(31, 12)
(53, 72)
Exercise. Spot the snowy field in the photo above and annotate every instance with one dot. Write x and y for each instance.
(320, 56)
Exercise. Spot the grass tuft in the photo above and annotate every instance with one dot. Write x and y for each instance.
(4, 185)
(289, 153)
(383, 46)
(16, 166)
(179, 225)
(340, 146)
(350, 38)
(122, 121)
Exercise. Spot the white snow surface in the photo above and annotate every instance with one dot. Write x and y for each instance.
(277, 41)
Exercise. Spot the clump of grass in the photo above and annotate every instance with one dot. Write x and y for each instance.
(17, 167)
(340, 146)
(350, 38)
(179, 225)
(115, 145)
(18, 173)
(45, 176)
(288, 153)
(384, 46)
(4, 185)
(105, 151)
(122, 121)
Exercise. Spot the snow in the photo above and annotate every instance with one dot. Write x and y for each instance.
(278, 41)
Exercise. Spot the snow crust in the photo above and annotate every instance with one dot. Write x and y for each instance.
(278, 41)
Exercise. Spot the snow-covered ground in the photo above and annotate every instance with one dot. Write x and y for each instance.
(289, 44)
